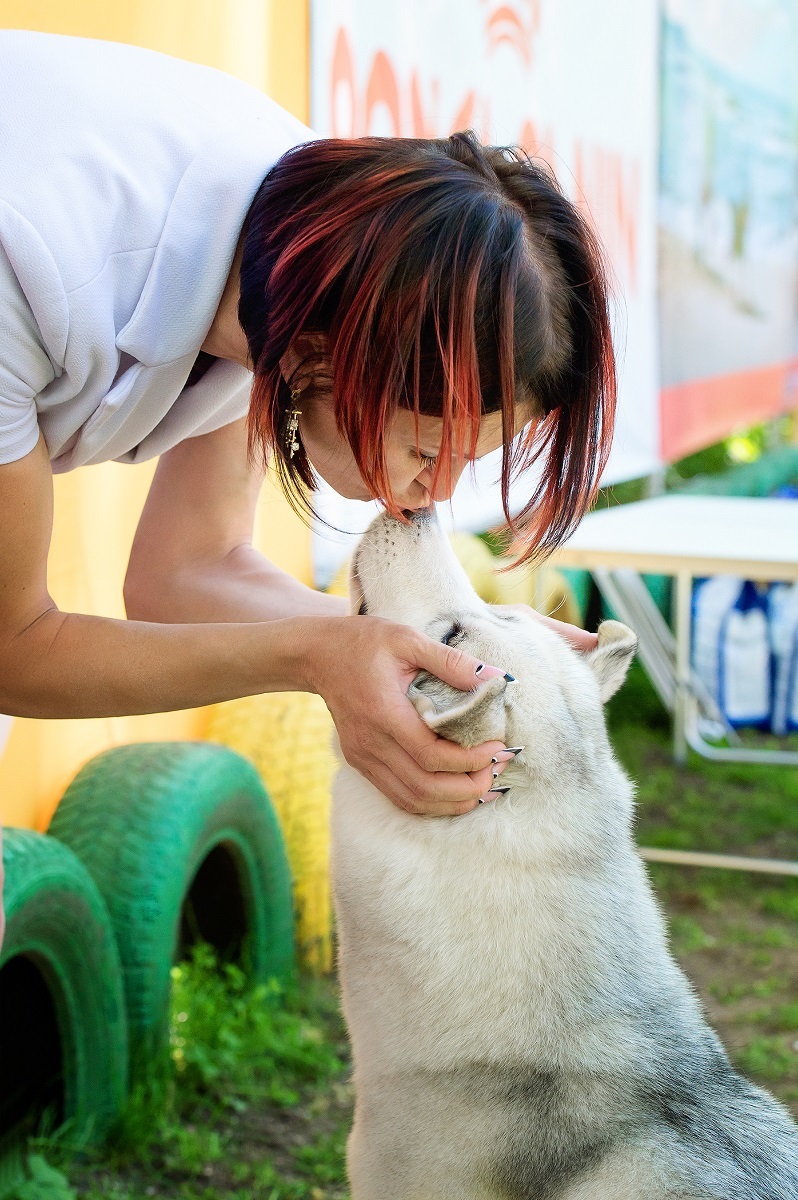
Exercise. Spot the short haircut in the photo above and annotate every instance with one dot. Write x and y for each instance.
(448, 278)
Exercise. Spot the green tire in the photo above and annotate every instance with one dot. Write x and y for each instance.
(183, 844)
(63, 1037)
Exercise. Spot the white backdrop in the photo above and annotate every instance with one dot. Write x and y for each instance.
(574, 82)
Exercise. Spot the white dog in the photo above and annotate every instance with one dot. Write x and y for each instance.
(519, 1028)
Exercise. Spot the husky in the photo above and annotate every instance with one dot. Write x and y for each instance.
(519, 1028)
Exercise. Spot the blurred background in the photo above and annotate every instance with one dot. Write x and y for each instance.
(674, 125)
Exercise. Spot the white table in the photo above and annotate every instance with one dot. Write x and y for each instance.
(686, 537)
(691, 536)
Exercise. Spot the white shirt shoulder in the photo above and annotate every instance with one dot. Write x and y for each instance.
(125, 178)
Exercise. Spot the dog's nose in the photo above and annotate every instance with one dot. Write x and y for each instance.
(418, 515)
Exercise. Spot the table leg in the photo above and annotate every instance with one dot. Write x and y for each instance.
(684, 616)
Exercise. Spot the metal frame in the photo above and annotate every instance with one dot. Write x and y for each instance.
(666, 658)
(726, 862)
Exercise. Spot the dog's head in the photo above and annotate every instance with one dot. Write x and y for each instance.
(409, 574)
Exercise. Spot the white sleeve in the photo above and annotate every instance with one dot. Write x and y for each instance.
(25, 367)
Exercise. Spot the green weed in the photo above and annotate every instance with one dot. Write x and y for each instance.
(769, 1058)
(234, 1048)
(687, 934)
(41, 1181)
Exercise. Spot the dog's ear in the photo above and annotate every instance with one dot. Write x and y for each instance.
(612, 657)
(468, 718)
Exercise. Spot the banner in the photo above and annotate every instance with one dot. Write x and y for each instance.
(573, 82)
(728, 217)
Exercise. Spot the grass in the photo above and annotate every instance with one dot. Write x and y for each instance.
(253, 1100)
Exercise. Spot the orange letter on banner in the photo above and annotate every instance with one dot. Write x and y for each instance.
(536, 146)
(343, 75)
(608, 194)
(465, 114)
(382, 89)
(580, 181)
(424, 126)
(627, 201)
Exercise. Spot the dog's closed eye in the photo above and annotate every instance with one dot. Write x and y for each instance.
(455, 632)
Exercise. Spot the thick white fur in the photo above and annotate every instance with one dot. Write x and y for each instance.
(507, 944)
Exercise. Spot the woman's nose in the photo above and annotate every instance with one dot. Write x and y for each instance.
(444, 488)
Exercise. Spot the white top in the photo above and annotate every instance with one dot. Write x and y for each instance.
(703, 535)
(125, 178)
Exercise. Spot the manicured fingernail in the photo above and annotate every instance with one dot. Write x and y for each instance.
(494, 791)
(486, 672)
(510, 678)
(481, 800)
(510, 751)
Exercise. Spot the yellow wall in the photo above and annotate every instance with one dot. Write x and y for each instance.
(264, 42)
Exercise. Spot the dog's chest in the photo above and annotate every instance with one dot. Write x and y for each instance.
(445, 939)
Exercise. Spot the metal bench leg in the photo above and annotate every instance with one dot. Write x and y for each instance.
(684, 606)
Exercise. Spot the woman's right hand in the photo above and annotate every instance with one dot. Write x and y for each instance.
(363, 667)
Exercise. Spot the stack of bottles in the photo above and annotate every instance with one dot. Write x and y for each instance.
(745, 650)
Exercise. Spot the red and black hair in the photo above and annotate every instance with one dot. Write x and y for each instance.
(448, 278)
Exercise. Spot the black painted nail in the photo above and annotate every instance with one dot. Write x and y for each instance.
(480, 801)
(480, 668)
(511, 750)
(510, 678)
(499, 791)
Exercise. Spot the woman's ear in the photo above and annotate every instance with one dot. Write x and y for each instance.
(468, 718)
(611, 659)
(304, 363)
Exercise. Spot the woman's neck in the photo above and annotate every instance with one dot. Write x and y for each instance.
(226, 338)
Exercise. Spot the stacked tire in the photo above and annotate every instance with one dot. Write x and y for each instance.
(153, 847)
(63, 1033)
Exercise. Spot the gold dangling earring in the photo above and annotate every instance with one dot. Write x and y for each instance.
(292, 431)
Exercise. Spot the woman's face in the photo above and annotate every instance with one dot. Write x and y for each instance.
(410, 463)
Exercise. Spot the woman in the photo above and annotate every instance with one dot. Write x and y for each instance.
(406, 306)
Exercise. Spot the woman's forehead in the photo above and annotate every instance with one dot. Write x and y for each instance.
(430, 429)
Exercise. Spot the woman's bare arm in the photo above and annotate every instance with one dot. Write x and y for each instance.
(56, 664)
(192, 557)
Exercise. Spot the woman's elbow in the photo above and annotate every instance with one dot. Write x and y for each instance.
(143, 596)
